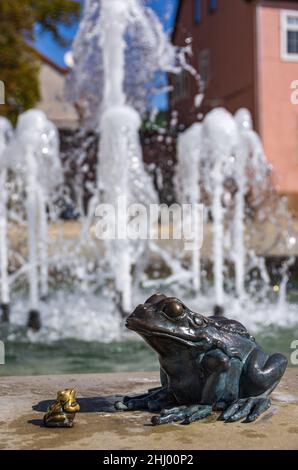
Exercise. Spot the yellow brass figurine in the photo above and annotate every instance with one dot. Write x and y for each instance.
(61, 414)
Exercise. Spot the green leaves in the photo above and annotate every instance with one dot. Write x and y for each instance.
(51, 14)
(18, 63)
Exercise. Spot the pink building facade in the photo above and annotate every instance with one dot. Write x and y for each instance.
(247, 54)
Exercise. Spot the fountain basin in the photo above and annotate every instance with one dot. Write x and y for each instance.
(23, 401)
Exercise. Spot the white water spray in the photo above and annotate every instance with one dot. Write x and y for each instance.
(141, 48)
(121, 173)
(187, 182)
(249, 160)
(220, 133)
(244, 122)
(224, 149)
(119, 48)
(5, 135)
(35, 154)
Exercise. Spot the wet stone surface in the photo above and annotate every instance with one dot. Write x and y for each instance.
(24, 400)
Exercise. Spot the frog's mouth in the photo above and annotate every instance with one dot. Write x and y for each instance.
(132, 325)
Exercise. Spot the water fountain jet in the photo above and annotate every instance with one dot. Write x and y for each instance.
(6, 133)
(35, 153)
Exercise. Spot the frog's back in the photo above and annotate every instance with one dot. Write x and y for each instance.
(229, 323)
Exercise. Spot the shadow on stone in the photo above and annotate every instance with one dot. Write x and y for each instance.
(36, 422)
(87, 405)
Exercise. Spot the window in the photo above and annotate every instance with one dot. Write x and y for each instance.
(2, 92)
(204, 65)
(212, 5)
(289, 35)
(180, 86)
(198, 11)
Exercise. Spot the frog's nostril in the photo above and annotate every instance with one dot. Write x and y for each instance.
(198, 321)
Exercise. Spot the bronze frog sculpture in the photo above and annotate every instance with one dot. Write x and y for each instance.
(206, 364)
(61, 414)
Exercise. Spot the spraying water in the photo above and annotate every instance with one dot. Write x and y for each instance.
(121, 172)
(225, 156)
(35, 153)
(144, 50)
(119, 48)
(249, 160)
(5, 135)
(127, 45)
(221, 134)
(187, 182)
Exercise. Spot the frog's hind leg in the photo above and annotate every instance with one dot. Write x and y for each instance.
(260, 376)
(261, 373)
(248, 409)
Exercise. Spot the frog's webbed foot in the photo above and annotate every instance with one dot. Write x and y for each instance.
(185, 414)
(154, 400)
(248, 409)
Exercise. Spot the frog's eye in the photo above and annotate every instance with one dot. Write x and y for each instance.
(154, 299)
(173, 308)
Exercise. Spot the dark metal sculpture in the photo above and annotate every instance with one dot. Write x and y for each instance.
(206, 363)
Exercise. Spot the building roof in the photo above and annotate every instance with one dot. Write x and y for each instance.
(43, 58)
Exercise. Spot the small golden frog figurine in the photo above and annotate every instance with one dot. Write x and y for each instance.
(61, 414)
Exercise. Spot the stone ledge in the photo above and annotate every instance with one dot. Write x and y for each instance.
(23, 401)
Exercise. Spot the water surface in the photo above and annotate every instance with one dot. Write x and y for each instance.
(72, 356)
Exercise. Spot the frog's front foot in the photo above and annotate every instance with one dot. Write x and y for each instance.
(154, 401)
(248, 409)
(185, 414)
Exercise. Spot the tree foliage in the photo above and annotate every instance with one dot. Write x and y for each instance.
(19, 66)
